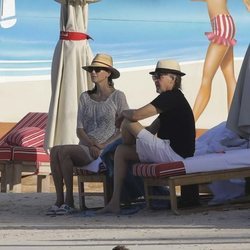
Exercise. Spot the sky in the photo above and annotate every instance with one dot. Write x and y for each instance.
(137, 30)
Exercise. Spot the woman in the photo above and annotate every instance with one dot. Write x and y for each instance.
(97, 112)
(219, 54)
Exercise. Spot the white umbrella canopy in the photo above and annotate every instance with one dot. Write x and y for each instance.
(239, 114)
(68, 79)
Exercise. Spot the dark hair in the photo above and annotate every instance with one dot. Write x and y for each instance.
(110, 83)
(120, 247)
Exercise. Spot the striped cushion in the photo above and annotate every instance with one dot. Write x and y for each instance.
(5, 153)
(159, 169)
(26, 137)
(30, 154)
(32, 119)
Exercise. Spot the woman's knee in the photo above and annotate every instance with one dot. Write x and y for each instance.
(54, 152)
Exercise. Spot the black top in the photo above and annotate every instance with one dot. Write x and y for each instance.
(176, 122)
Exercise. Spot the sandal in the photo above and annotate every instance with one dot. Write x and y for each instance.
(65, 210)
(52, 210)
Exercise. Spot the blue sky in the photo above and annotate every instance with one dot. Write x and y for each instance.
(127, 29)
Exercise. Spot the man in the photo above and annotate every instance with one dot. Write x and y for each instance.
(175, 129)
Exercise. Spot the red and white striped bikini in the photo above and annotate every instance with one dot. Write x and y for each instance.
(223, 30)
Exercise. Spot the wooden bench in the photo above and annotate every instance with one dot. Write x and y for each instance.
(85, 177)
(188, 179)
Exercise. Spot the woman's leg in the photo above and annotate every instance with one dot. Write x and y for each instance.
(227, 67)
(70, 156)
(57, 174)
(213, 60)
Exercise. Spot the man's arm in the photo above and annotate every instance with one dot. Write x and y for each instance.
(154, 127)
(141, 113)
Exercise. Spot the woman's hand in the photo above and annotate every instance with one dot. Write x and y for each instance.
(94, 151)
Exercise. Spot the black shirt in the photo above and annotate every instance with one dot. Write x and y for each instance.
(176, 122)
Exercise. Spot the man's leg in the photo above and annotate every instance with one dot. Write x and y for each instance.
(130, 130)
(189, 195)
(123, 154)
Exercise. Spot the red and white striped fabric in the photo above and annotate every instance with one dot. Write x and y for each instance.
(223, 30)
(32, 119)
(30, 154)
(5, 153)
(26, 137)
(159, 169)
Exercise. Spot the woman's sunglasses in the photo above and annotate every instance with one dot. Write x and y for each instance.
(97, 69)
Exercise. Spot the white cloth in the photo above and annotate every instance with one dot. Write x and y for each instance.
(218, 161)
(150, 148)
(219, 139)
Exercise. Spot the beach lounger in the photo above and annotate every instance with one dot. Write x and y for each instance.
(174, 174)
(21, 152)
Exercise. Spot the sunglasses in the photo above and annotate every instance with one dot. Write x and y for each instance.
(158, 76)
(97, 69)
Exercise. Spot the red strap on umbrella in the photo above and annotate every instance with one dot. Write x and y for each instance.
(75, 36)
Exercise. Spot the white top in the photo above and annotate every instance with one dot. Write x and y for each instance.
(98, 118)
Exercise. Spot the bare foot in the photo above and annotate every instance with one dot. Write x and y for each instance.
(109, 209)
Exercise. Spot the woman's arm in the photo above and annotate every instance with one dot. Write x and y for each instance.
(94, 147)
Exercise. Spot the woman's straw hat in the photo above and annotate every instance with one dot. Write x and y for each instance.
(168, 66)
(103, 61)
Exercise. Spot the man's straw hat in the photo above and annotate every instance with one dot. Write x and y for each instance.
(168, 66)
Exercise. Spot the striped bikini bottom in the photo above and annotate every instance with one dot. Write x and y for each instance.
(223, 30)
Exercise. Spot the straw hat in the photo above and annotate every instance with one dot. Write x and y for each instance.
(103, 61)
(168, 66)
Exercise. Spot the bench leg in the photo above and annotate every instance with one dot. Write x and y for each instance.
(173, 198)
(6, 178)
(82, 203)
(43, 183)
(16, 185)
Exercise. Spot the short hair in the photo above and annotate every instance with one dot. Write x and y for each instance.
(177, 79)
(120, 247)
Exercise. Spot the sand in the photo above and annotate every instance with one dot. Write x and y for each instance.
(24, 225)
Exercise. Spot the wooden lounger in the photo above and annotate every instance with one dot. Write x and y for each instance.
(173, 175)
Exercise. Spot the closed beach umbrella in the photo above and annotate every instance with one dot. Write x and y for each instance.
(239, 114)
(68, 80)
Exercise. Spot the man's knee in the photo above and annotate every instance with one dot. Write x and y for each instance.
(124, 152)
(132, 127)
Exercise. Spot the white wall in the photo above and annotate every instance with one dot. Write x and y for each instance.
(20, 97)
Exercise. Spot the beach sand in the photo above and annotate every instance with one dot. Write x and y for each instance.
(24, 225)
